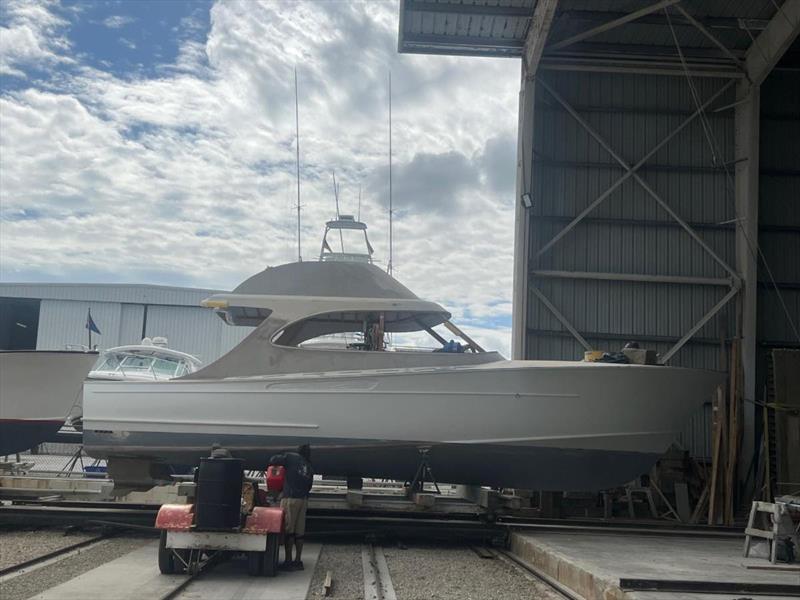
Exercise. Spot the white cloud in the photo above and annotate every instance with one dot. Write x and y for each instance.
(31, 37)
(188, 177)
(117, 21)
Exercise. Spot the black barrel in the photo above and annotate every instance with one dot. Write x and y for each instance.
(219, 493)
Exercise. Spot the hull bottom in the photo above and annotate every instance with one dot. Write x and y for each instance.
(18, 435)
(496, 465)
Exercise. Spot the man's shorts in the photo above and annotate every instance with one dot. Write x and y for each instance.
(294, 515)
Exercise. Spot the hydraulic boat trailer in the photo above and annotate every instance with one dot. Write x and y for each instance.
(188, 543)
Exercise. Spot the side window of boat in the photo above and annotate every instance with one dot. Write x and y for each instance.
(109, 364)
(165, 367)
(136, 362)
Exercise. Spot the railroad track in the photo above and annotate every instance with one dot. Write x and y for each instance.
(49, 557)
(377, 580)
(347, 519)
(536, 574)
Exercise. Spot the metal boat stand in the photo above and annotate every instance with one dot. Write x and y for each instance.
(423, 474)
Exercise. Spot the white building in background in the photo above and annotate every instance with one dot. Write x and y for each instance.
(50, 316)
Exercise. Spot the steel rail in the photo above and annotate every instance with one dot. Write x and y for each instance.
(21, 566)
(538, 574)
(349, 522)
(377, 579)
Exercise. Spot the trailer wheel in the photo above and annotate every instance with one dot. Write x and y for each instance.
(255, 563)
(271, 555)
(166, 562)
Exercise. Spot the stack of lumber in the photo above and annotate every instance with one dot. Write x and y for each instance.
(726, 441)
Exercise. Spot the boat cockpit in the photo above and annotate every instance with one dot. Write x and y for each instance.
(335, 316)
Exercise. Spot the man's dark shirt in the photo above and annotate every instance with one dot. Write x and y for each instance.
(299, 474)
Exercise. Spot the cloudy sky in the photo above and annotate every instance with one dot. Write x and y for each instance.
(154, 142)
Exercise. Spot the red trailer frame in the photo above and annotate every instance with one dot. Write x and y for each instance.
(184, 548)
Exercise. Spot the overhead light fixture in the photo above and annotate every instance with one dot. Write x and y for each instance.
(21, 325)
(527, 202)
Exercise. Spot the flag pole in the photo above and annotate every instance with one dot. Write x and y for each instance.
(88, 321)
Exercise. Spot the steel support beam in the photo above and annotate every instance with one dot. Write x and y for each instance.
(636, 277)
(468, 9)
(561, 318)
(746, 138)
(703, 320)
(535, 41)
(429, 43)
(630, 68)
(519, 303)
(771, 44)
(538, 30)
(631, 171)
(729, 23)
(612, 24)
(710, 36)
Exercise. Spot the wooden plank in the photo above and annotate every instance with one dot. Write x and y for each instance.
(701, 504)
(682, 505)
(733, 431)
(767, 535)
(719, 411)
(789, 568)
(327, 587)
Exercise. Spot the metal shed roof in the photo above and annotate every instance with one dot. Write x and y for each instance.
(108, 292)
(711, 33)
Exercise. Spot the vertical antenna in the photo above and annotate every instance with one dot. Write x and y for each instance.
(336, 197)
(297, 132)
(358, 218)
(389, 266)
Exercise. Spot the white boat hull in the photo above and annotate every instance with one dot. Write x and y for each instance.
(535, 424)
(37, 391)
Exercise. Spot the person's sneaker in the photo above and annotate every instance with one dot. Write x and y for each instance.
(286, 566)
(298, 565)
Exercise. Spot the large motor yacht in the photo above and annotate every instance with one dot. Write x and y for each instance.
(369, 410)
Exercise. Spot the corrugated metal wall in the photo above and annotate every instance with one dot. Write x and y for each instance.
(120, 311)
(779, 208)
(779, 213)
(629, 232)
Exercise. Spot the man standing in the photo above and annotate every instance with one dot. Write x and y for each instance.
(294, 501)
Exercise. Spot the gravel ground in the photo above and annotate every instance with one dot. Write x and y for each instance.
(18, 546)
(344, 563)
(36, 581)
(428, 572)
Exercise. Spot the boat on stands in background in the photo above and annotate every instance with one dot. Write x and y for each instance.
(152, 360)
(38, 389)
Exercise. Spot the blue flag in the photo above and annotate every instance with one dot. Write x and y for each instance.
(90, 325)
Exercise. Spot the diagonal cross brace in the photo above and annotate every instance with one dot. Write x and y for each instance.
(630, 172)
(561, 318)
(638, 14)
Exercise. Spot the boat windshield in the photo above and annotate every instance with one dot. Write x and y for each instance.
(377, 331)
(136, 363)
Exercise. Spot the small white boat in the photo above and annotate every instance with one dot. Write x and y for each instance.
(38, 388)
(151, 360)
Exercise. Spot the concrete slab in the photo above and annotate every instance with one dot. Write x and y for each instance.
(592, 564)
(129, 577)
(230, 581)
